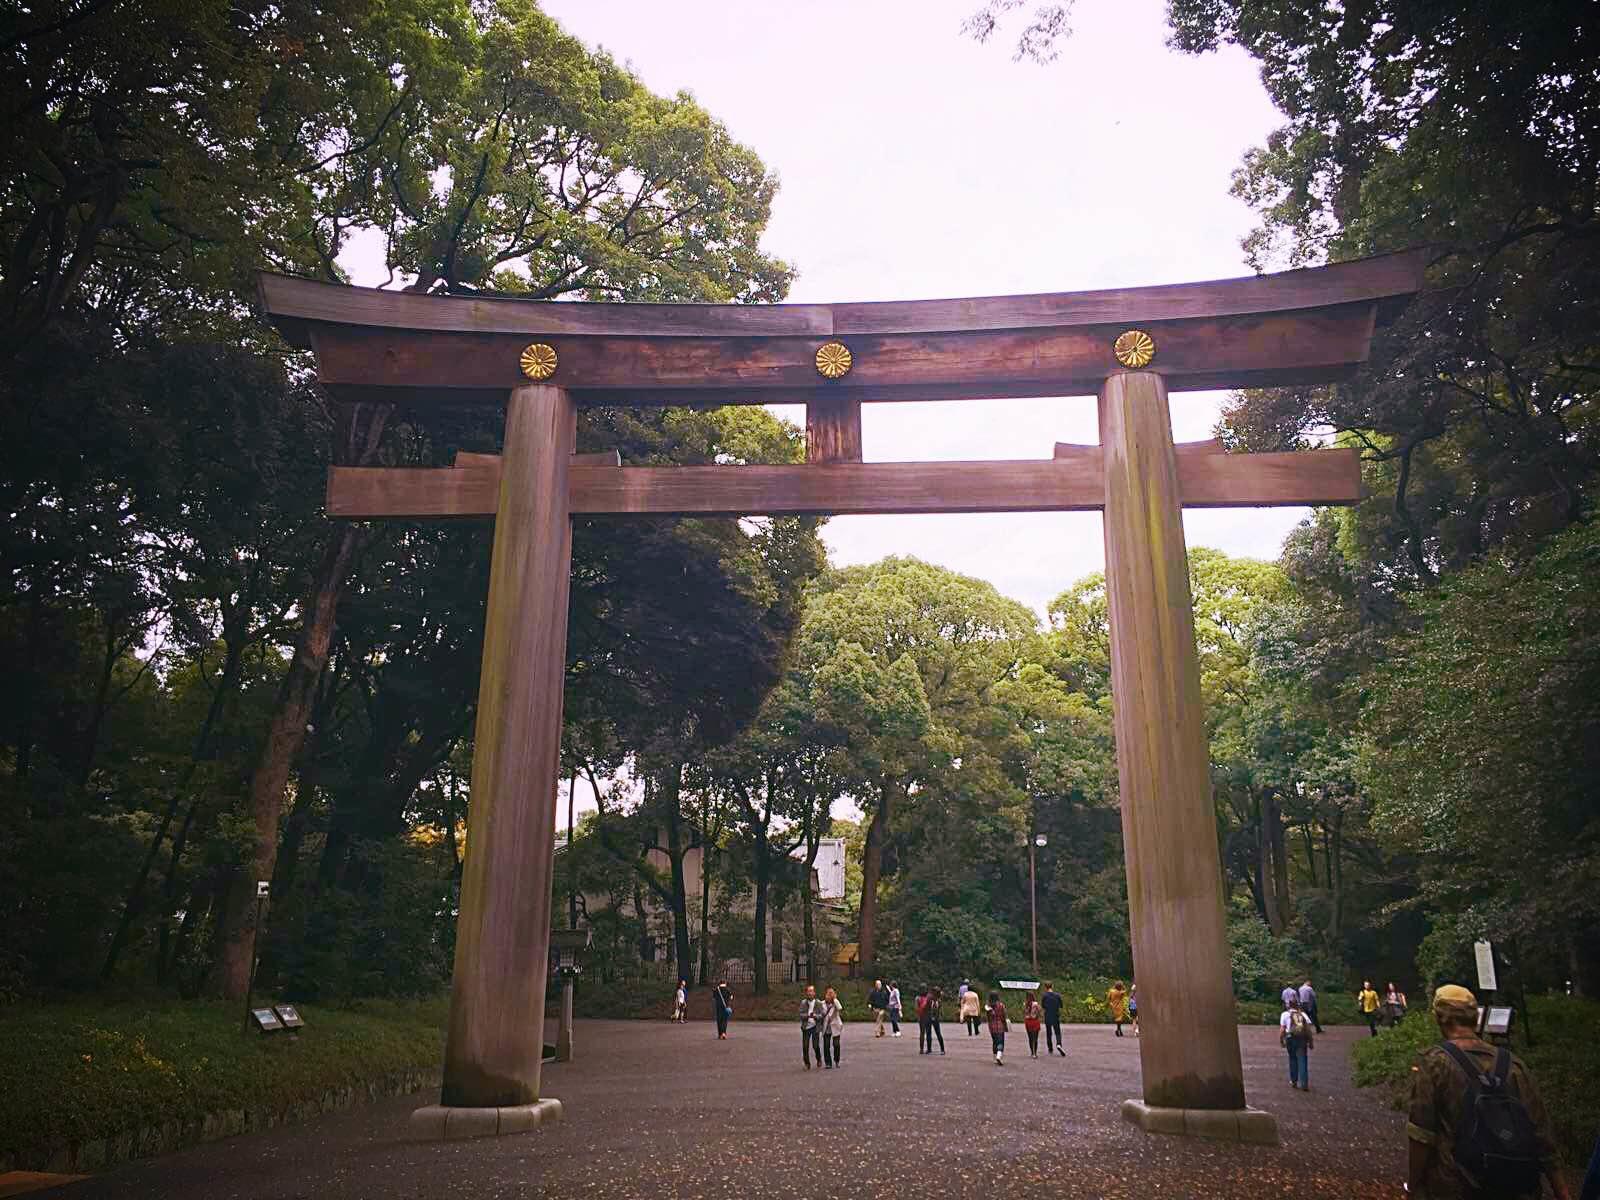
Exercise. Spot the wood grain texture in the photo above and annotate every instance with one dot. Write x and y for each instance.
(1306, 345)
(597, 458)
(494, 1047)
(1067, 483)
(296, 304)
(1189, 1048)
(833, 429)
(1079, 450)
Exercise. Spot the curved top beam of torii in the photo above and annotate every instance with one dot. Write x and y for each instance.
(1294, 327)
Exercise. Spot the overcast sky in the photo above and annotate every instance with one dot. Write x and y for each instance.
(916, 163)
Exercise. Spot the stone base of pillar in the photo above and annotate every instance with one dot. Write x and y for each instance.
(437, 1123)
(1225, 1124)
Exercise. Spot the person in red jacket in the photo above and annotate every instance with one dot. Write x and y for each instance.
(1032, 1018)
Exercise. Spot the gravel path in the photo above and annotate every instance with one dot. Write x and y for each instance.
(661, 1111)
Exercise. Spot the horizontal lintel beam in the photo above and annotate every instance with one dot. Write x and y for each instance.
(1050, 485)
(433, 366)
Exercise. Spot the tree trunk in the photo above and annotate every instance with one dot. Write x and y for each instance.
(705, 891)
(871, 869)
(1335, 872)
(572, 875)
(763, 874)
(134, 904)
(813, 845)
(358, 442)
(679, 900)
(1271, 864)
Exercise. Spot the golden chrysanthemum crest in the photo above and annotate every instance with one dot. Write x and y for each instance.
(833, 360)
(1134, 349)
(539, 361)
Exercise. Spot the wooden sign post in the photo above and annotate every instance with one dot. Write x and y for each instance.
(1132, 346)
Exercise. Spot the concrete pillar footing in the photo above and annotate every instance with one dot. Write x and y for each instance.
(438, 1123)
(1225, 1124)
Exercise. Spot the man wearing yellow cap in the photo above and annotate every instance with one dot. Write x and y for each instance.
(1440, 1087)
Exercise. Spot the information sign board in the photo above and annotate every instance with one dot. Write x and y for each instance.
(1020, 985)
(266, 1019)
(1485, 955)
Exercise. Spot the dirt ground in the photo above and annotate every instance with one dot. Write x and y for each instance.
(665, 1111)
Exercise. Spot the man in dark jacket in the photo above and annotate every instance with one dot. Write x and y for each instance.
(878, 1002)
(1051, 1003)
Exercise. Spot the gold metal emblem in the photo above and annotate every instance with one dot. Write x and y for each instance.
(1135, 349)
(833, 360)
(539, 361)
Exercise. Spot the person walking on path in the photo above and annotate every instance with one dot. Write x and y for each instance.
(680, 1002)
(1032, 1018)
(1308, 1003)
(1294, 1035)
(998, 1024)
(1117, 1002)
(971, 1010)
(1367, 1002)
(811, 1011)
(1051, 1004)
(1133, 1008)
(1454, 1151)
(832, 1029)
(878, 1006)
(894, 1007)
(928, 1022)
(722, 1002)
(1394, 1003)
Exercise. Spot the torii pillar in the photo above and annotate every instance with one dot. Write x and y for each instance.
(495, 1043)
(1188, 1042)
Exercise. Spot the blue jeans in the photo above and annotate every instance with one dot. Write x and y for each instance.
(1299, 1062)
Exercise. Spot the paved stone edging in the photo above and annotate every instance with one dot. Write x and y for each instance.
(96, 1154)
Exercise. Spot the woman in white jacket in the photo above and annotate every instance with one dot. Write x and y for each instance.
(832, 1028)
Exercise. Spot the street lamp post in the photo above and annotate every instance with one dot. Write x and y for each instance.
(1039, 840)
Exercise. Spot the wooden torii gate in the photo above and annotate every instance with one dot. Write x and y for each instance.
(1129, 346)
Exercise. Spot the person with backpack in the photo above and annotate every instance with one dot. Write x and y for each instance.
(722, 1005)
(998, 1024)
(1476, 1126)
(1294, 1035)
(811, 1012)
(1032, 1017)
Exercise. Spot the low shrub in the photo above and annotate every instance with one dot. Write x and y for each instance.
(78, 1071)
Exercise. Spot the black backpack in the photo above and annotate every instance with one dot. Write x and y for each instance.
(1496, 1146)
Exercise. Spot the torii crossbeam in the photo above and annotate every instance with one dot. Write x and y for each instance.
(1130, 347)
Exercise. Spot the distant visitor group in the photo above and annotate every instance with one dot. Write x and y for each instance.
(822, 1019)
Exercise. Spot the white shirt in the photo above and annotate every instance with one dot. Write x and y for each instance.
(1290, 993)
(1307, 995)
(681, 997)
(894, 997)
